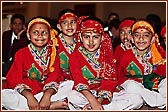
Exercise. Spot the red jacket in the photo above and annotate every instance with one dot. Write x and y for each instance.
(83, 73)
(127, 59)
(18, 73)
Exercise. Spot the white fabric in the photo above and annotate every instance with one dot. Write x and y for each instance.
(120, 101)
(152, 98)
(13, 37)
(13, 100)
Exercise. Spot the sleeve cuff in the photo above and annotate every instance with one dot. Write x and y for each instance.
(105, 94)
(51, 85)
(81, 87)
(20, 87)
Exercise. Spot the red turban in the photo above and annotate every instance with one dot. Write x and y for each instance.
(126, 23)
(92, 25)
(66, 15)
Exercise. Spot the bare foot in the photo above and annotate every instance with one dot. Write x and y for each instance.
(58, 106)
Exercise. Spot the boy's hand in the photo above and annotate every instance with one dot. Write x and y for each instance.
(31, 100)
(33, 103)
(45, 100)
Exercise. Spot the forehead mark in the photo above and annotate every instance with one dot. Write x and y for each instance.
(141, 30)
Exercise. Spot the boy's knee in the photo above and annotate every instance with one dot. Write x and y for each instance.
(72, 96)
(137, 101)
(133, 87)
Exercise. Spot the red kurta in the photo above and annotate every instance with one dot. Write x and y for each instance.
(18, 73)
(127, 59)
(64, 52)
(83, 73)
(118, 52)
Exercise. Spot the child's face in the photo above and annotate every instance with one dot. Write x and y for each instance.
(39, 35)
(91, 41)
(142, 39)
(68, 26)
(125, 35)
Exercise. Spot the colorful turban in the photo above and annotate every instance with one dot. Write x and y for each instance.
(53, 40)
(156, 56)
(143, 24)
(163, 31)
(67, 15)
(92, 25)
(79, 23)
(126, 23)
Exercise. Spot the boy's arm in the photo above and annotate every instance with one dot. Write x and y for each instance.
(31, 100)
(95, 105)
(45, 100)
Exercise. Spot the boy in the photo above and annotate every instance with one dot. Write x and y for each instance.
(94, 71)
(142, 69)
(66, 39)
(34, 75)
(125, 37)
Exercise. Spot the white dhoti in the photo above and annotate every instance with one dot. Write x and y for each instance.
(120, 101)
(152, 98)
(13, 100)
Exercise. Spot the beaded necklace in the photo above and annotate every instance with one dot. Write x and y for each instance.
(68, 47)
(92, 59)
(40, 57)
(144, 60)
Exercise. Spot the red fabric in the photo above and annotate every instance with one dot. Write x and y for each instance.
(61, 49)
(4, 85)
(67, 15)
(79, 22)
(118, 52)
(77, 62)
(161, 51)
(18, 73)
(91, 25)
(126, 23)
(129, 57)
(163, 31)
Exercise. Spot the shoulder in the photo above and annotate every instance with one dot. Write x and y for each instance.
(118, 51)
(8, 32)
(128, 53)
(127, 56)
(119, 48)
(23, 51)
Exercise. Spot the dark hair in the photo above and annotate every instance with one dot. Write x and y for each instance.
(128, 18)
(66, 11)
(18, 16)
(113, 13)
(93, 18)
(155, 21)
(114, 23)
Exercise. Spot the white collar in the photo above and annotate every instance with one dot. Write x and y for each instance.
(13, 37)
